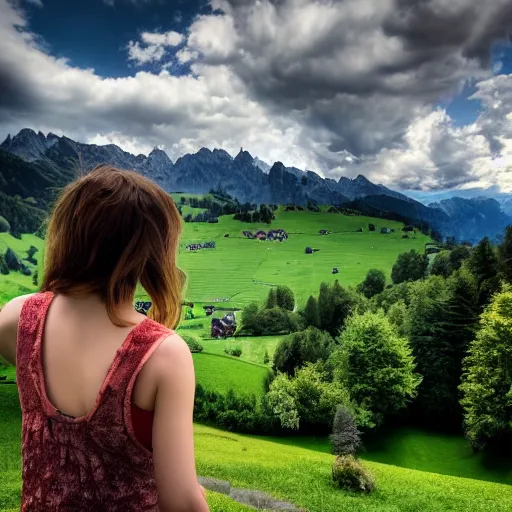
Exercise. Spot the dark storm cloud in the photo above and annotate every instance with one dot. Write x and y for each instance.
(360, 70)
(472, 26)
(15, 92)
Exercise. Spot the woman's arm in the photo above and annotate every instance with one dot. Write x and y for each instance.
(9, 318)
(173, 436)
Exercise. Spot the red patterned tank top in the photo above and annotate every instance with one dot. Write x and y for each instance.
(91, 463)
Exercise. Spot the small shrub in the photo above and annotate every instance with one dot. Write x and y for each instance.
(12, 260)
(194, 345)
(349, 474)
(266, 358)
(345, 438)
(235, 352)
(4, 269)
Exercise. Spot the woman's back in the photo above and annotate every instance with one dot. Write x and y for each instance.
(80, 343)
(86, 461)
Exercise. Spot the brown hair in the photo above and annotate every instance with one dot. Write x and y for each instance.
(110, 231)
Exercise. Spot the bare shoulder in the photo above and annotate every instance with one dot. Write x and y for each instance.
(11, 311)
(9, 320)
(172, 357)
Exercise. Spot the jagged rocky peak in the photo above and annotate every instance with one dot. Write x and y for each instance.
(244, 157)
(159, 155)
(27, 144)
(204, 152)
(278, 167)
(7, 142)
(222, 154)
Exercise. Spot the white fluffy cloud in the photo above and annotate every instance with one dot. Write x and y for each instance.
(154, 46)
(338, 87)
(435, 154)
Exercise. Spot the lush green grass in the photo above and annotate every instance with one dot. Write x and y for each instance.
(253, 348)
(437, 453)
(294, 469)
(15, 283)
(303, 476)
(242, 270)
(219, 503)
(219, 373)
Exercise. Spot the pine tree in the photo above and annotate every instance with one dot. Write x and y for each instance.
(442, 322)
(483, 262)
(271, 299)
(310, 314)
(506, 255)
(484, 265)
(325, 306)
(343, 303)
(458, 255)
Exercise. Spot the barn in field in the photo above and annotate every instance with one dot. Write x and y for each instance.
(223, 327)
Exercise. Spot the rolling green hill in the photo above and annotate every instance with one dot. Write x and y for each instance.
(241, 270)
(286, 468)
(219, 373)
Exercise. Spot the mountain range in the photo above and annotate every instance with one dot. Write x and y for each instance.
(33, 165)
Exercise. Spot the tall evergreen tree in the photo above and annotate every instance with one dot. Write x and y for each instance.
(271, 299)
(311, 316)
(458, 255)
(506, 255)
(441, 324)
(343, 303)
(484, 265)
(325, 306)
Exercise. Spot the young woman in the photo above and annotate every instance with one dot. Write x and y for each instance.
(106, 393)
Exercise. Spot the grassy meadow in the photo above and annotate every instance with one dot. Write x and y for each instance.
(219, 373)
(295, 470)
(240, 270)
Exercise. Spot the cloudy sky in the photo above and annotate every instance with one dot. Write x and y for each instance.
(414, 94)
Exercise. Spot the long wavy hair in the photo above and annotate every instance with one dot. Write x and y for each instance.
(110, 231)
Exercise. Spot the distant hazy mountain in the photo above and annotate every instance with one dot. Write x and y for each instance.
(56, 160)
(474, 217)
(429, 197)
